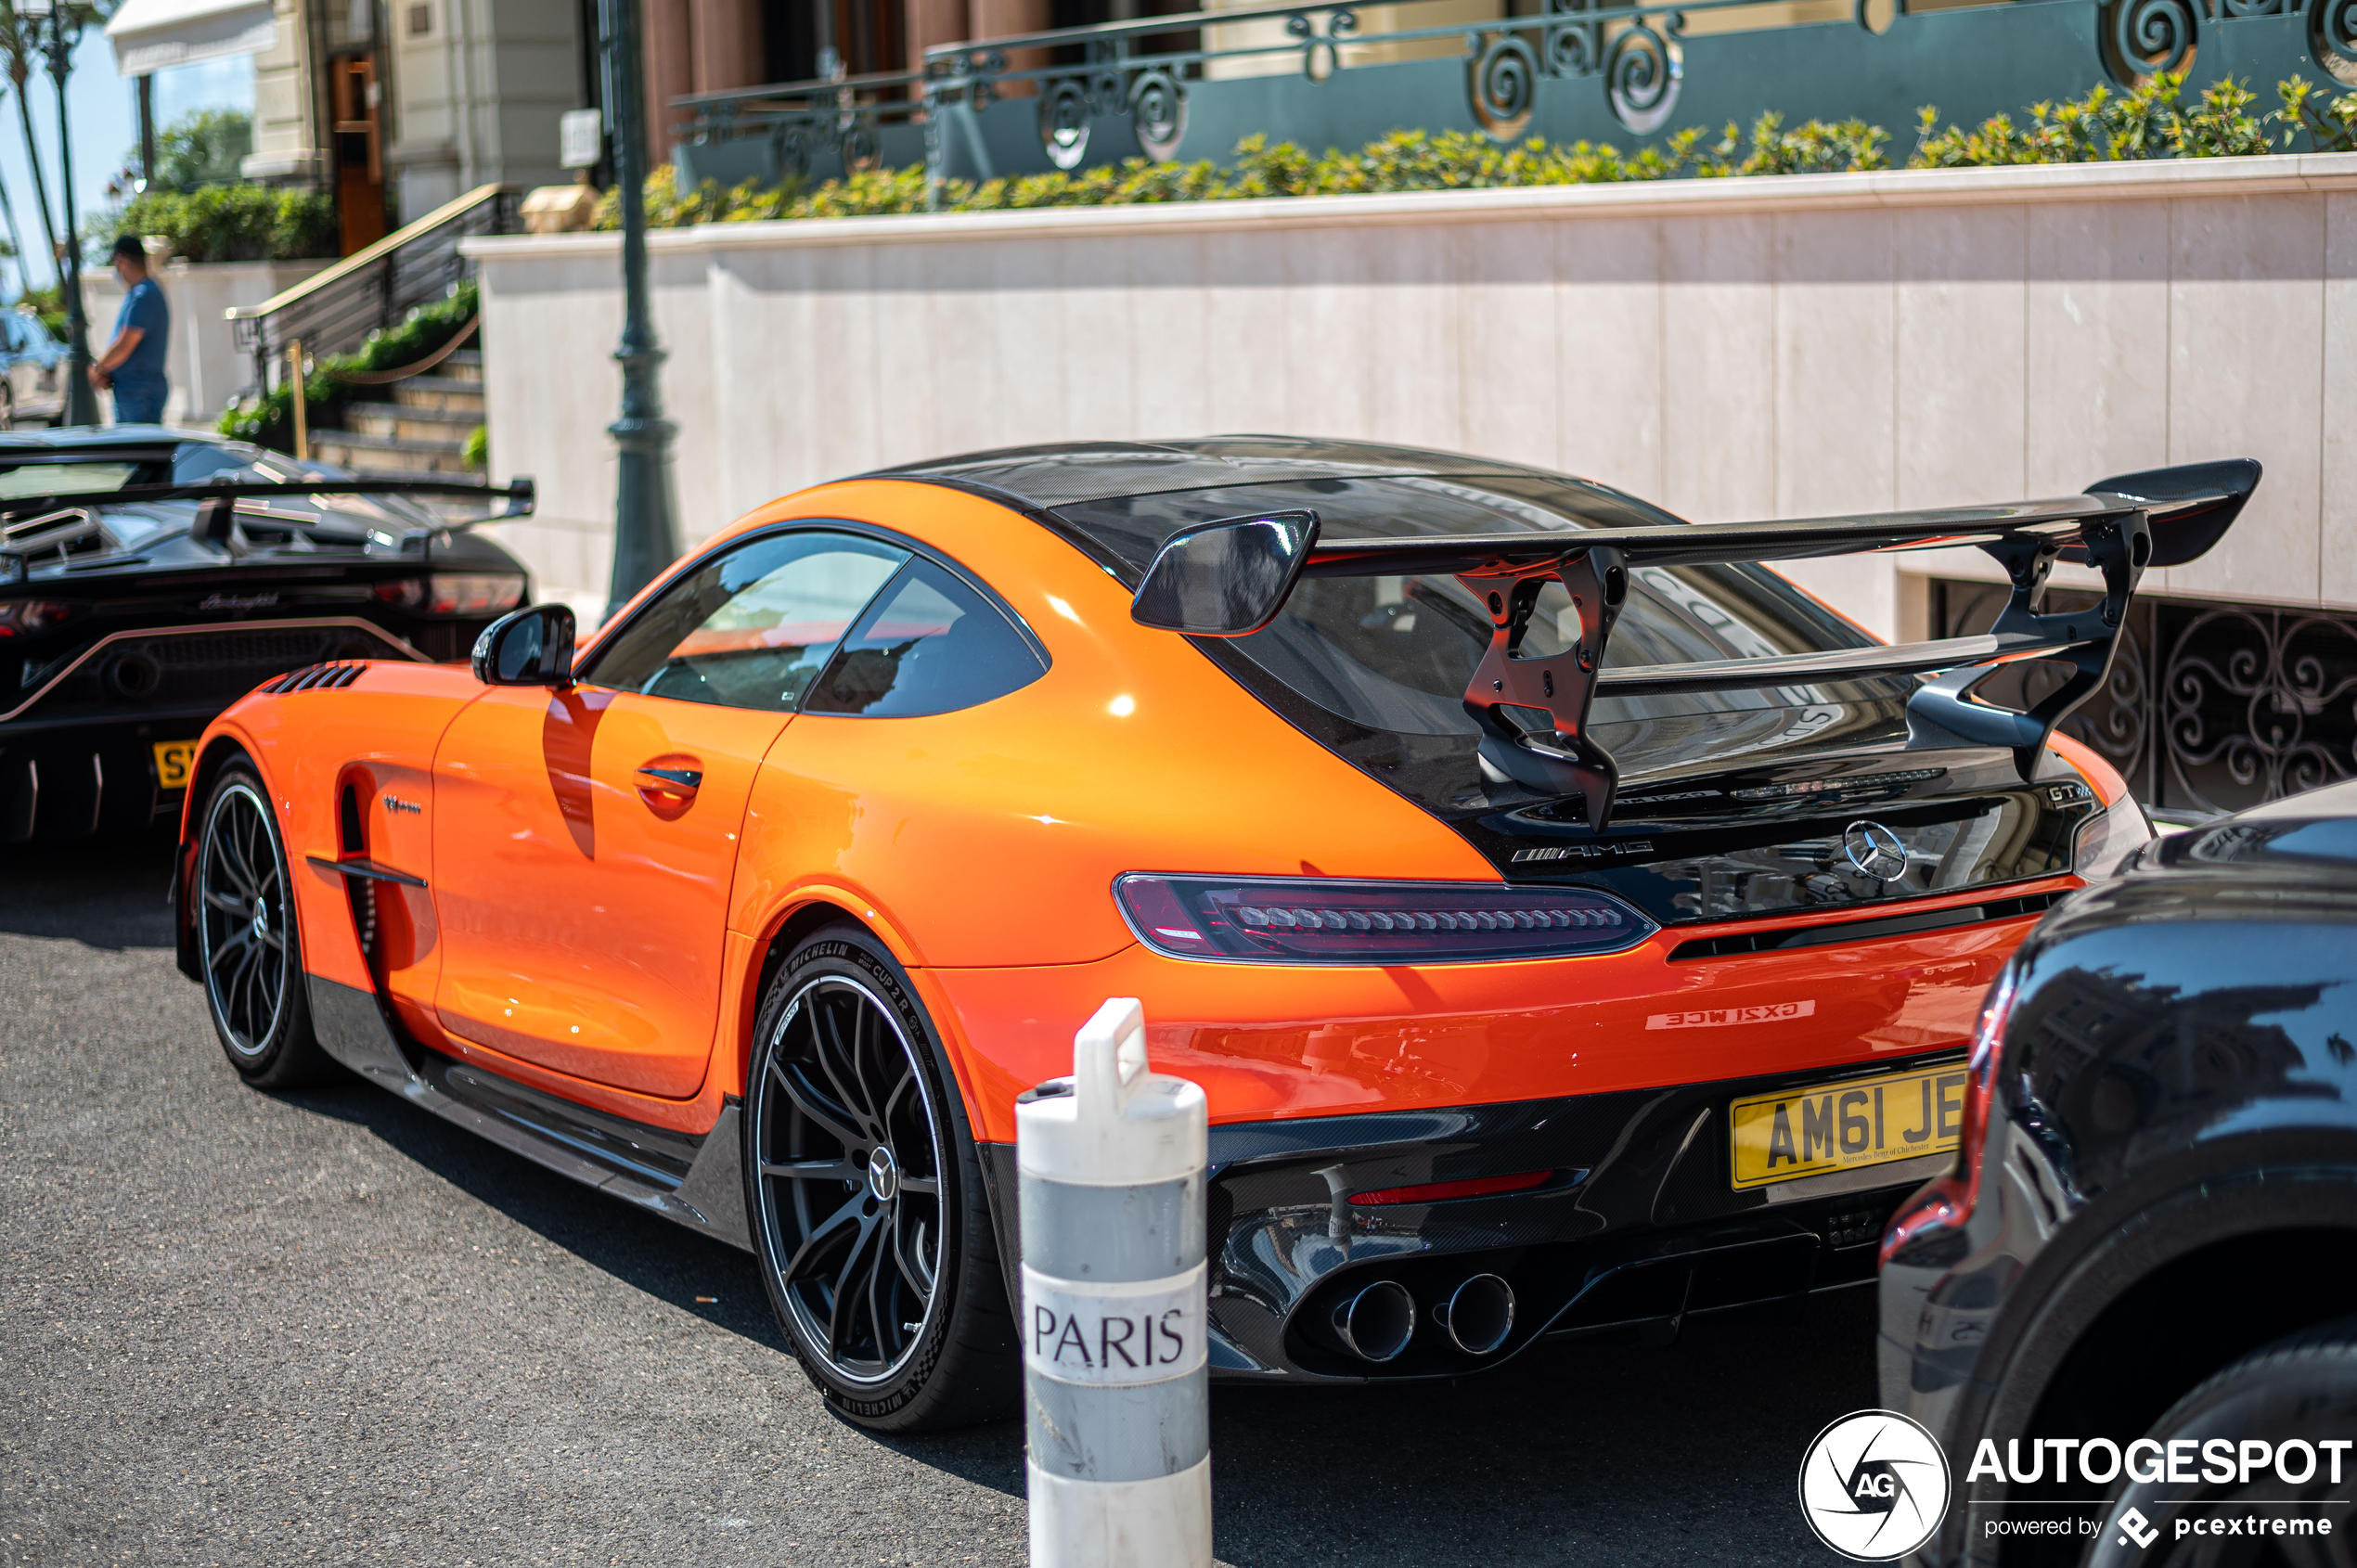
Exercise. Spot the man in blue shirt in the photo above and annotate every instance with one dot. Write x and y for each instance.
(132, 365)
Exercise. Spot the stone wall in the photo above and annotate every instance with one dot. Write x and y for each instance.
(1731, 349)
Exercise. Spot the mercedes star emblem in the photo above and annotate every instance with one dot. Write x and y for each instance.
(1874, 850)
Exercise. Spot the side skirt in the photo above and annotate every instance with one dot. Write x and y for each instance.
(697, 1182)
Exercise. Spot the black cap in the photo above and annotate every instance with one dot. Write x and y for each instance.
(128, 246)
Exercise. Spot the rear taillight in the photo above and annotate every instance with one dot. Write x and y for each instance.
(1320, 920)
(1947, 1203)
(1441, 1191)
(454, 593)
(2108, 838)
(30, 617)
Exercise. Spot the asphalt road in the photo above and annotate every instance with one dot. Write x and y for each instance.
(327, 1328)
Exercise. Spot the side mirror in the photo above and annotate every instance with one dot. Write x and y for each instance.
(1225, 579)
(530, 646)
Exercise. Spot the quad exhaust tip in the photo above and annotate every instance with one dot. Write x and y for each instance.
(1478, 1315)
(1376, 1323)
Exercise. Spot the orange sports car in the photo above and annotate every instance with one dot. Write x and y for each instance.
(1575, 926)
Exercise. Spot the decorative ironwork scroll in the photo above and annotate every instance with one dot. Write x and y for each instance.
(1144, 69)
(2209, 706)
(2140, 37)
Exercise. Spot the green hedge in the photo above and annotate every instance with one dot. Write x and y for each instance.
(2147, 122)
(239, 223)
(268, 420)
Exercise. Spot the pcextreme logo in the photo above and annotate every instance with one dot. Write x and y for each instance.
(1874, 1486)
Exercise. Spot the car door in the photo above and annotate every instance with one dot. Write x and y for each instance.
(587, 837)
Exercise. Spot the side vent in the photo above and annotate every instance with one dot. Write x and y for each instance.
(352, 840)
(313, 676)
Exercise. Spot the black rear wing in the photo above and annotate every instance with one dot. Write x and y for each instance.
(19, 541)
(1230, 578)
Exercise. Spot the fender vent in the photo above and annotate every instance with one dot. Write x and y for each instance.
(310, 675)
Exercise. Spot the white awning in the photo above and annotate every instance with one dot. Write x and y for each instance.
(149, 35)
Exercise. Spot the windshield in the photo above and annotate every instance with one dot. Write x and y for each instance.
(1394, 653)
(66, 479)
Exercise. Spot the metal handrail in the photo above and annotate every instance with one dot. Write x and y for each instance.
(816, 87)
(333, 311)
(286, 299)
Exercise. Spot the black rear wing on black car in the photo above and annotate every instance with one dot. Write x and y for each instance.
(1230, 578)
(218, 507)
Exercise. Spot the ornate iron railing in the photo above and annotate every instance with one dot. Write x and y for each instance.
(1334, 73)
(333, 312)
(778, 132)
(2209, 705)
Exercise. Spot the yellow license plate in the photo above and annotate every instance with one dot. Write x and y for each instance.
(1845, 1127)
(174, 759)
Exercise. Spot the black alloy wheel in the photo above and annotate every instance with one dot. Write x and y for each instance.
(247, 942)
(865, 1197)
(2299, 1393)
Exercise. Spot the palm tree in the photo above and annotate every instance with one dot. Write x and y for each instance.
(16, 240)
(19, 55)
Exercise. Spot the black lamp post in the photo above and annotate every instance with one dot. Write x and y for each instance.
(55, 27)
(644, 540)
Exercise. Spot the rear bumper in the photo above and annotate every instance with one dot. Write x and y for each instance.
(77, 752)
(1635, 1231)
(82, 777)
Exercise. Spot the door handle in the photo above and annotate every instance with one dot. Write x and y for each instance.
(669, 779)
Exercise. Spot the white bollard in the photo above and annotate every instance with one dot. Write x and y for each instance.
(1116, 1386)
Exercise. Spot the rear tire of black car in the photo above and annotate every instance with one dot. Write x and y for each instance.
(2304, 1386)
(249, 947)
(864, 1192)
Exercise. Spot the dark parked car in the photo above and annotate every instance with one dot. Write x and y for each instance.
(149, 578)
(2151, 1233)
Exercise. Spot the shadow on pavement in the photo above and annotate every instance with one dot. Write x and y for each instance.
(1585, 1452)
(649, 1253)
(107, 893)
(1592, 1446)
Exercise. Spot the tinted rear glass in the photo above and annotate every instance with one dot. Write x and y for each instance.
(1394, 653)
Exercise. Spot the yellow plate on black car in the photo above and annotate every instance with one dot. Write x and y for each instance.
(174, 759)
(1845, 1127)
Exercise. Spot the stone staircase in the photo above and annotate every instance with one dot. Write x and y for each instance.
(420, 434)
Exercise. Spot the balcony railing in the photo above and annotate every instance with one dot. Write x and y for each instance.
(780, 132)
(1338, 75)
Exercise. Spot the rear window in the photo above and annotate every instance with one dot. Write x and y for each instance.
(1394, 653)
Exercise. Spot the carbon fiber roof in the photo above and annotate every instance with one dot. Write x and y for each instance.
(1068, 472)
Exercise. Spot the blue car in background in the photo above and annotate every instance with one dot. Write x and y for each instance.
(34, 387)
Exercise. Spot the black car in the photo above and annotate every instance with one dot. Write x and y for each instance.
(2151, 1234)
(150, 577)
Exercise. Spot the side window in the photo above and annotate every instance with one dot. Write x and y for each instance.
(928, 645)
(750, 629)
(12, 333)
